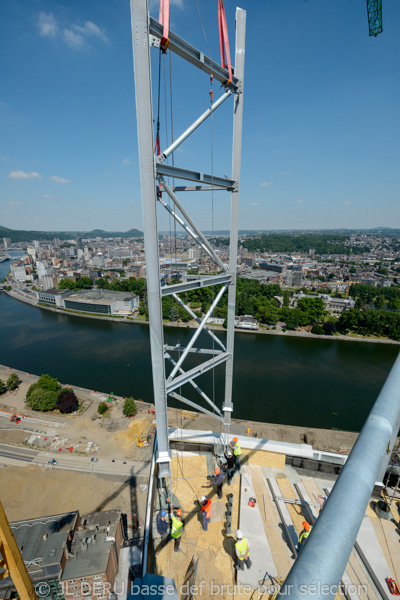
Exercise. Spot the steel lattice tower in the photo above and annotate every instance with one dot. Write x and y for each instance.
(146, 32)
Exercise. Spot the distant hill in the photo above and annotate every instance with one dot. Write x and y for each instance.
(17, 235)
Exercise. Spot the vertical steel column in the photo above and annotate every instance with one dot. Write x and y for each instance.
(321, 563)
(144, 112)
(236, 159)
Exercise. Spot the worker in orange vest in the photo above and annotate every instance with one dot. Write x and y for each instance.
(205, 512)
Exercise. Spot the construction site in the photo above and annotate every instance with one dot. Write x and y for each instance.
(227, 514)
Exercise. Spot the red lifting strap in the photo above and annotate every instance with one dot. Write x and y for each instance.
(163, 18)
(223, 40)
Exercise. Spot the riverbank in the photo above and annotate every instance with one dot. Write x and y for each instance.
(194, 325)
(328, 440)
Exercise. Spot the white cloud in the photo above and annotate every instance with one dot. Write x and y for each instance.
(59, 179)
(299, 201)
(254, 204)
(126, 161)
(3, 157)
(12, 203)
(91, 29)
(48, 196)
(76, 35)
(23, 175)
(132, 201)
(47, 25)
(267, 183)
(73, 39)
(346, 202)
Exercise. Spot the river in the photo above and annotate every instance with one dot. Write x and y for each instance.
(295, 381)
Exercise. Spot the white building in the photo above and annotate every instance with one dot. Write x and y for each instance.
(19, 274)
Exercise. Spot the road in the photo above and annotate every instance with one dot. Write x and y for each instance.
(12, 455)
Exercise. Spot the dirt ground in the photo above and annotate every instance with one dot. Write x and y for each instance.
(35, 492)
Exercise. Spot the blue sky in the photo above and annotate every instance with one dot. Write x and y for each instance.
(321, 137)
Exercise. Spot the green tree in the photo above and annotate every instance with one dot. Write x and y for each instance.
(102, 408)
(379, 301)
(46, 382)
(394, 304)
(286, 298)
(130, 407)
(2, 386)
(67, 284)
(329, 327)
(12, 381)
(67, 402)
(84, 283)
(317, 329)
(31, 389)
(313, 307)
(43, 400)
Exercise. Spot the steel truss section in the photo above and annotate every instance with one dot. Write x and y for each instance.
(146, 32)
(192, 55)
(178, 288)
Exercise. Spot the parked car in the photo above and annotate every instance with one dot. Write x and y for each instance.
(53, 461)
(94, 459)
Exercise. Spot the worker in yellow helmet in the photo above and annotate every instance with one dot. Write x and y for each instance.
(176, 528)
(237, 451)
(305, 532)
(242, 549)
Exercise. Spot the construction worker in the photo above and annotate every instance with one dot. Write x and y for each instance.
(218, 481)
(230, 465)
(237, 451)
(162, 527)
(305, 532)
(205, 512)
(177, 528)
(242, 549)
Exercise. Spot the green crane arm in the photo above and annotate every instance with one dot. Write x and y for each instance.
(374, 8)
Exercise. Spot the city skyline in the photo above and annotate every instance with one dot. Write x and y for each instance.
(321, 124)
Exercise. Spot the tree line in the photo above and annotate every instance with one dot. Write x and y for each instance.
(321, 243)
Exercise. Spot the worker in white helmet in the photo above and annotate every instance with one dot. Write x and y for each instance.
(242, 549)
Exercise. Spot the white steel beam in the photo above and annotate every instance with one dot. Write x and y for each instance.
(236, 159)
(192, 55)
(144, 111)
(195, 125)
(194, 405)
(178, 288)
(193, 384)
(197, 333)
(192, 314)
(178, 173)
(197, 371)
(203, 242)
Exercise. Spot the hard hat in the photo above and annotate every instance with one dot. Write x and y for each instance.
(217, 471)
(235, 440)
(306, 525)
(163, 513)
(229, 453)
(203, 499)
(238, 534)
(179, 512)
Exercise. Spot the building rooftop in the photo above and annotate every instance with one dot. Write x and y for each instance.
(42, 543)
